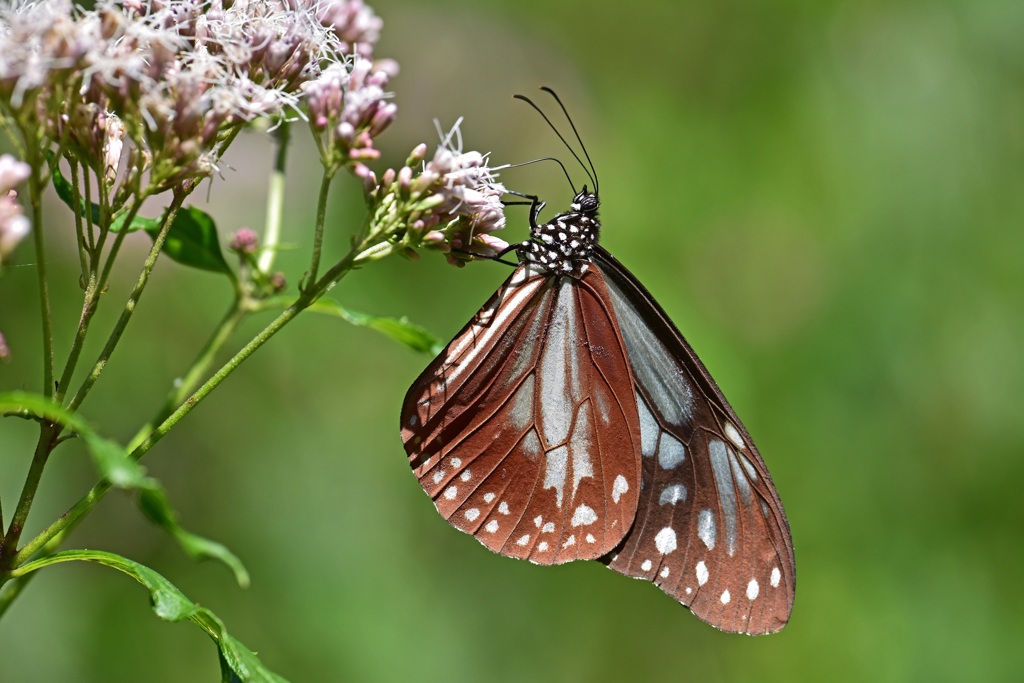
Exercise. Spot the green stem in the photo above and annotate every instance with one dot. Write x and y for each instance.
(95, 248)
(321, 213)
(83, 249)
(275, 200)
(116, 246)
(36, 199)
(53, 534)
(129, 308)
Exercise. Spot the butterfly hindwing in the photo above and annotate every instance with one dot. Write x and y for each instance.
(523, 431)
(710, 529)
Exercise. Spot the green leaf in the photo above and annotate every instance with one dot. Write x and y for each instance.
(170, 604)
(401, 329)
(138, 223)
(27, 404)
(154, 503)
(116, 465)
(192, 241)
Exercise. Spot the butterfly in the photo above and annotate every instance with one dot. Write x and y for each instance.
(570, 420)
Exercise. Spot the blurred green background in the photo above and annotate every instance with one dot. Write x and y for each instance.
(828, 198)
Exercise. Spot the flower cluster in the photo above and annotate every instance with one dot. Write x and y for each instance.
(348, 108)
(167, 84)
(452, 204)
(354, 23)
(13, 223)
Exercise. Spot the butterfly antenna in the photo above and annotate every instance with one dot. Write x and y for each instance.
(576, 133)
(557, 161)
(565, 142)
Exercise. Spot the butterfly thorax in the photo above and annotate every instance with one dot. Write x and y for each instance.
(564, 244)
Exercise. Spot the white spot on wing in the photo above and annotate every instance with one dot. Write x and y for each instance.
(472, 514)
(702, 573)
(590, 538)
(646, 566)
(456, 462)
(438, 476)
(548, 528)
(673, 494)
(503, 508)
(523, 540)
(450, 493)
(737, 475)
(491, 526)
(601, 401)
(664, 572)
(531, 445)
(753, 590)
(665, 541)
(488, 497)
(537, 520)
(733, 434)
(569, 541)
(726, 492)
(749, 467)
(670, 451)
(706, 528)
(580, 447)
(648, 428)
(776, 577)
(542, 546)
(522, 405)
(583, 516)
(726, 597)
(554, 472)
(466, 475)
(619, 486)
(559, 367)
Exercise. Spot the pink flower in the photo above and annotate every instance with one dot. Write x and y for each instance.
(14, 226)
(348, 106)
(355, 24)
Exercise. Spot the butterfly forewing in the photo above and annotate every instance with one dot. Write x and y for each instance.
(710, 530)
(524, 430)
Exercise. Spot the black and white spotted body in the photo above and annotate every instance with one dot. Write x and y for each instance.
(564, 244)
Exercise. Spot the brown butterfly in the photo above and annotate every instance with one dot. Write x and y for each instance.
(570, 420)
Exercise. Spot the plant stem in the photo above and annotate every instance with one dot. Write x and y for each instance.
(321, 213)
(83, 250)
(129, 307)
(275, 200)
(36, 199)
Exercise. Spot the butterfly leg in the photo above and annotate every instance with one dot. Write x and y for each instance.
(536, 206)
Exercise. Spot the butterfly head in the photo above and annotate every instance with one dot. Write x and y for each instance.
(586, 203)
